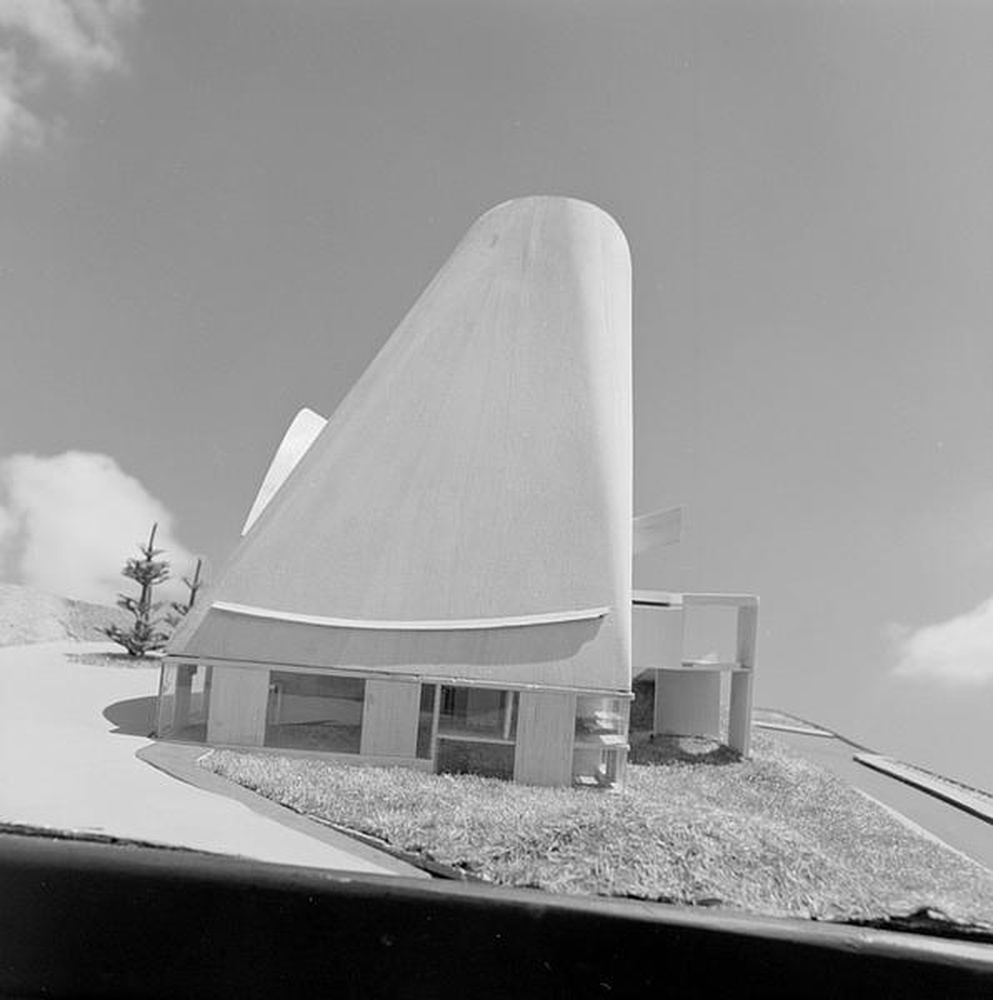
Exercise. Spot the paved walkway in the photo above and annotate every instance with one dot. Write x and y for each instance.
(967, 833)
(65, 764)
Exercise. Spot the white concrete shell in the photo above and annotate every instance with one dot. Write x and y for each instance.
(479, 472)
(299, 436)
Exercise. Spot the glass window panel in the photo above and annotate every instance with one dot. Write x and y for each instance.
(192, 702)
(315, 712)
(167, 701)
(200, 695)
(425, 722)
(600, 716)
(477, 712)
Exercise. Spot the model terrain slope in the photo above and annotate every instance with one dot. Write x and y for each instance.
(29, 616)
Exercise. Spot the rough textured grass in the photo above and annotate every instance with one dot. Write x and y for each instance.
(771, 835)
(28, 615)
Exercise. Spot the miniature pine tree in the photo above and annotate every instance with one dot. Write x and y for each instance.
(181, 609)
(144, 635)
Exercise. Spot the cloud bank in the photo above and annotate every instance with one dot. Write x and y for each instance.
(69, 522)
(958, 651)
(42, 39)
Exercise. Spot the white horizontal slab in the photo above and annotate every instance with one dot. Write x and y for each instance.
(699, 667)
(419, 625)
(968, 799)
(721, 600)
(659, 598)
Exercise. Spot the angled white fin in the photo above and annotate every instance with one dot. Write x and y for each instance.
(661, 527)
(299, 436)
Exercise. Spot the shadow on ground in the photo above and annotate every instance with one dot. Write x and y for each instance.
(133, 717)
(115, 660)
(647, 749)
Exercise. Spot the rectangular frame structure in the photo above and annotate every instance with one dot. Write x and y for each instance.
(688, 692)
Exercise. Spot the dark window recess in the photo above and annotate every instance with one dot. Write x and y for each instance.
(490, 760)
(480, 712)
(425, 721)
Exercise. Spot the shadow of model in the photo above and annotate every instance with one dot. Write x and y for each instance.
(133, 717)
(646, 749)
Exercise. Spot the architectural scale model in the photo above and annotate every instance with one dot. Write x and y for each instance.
(440, 574)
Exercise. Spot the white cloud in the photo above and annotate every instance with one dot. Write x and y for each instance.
(69, 522)
(18, 126)
(958, 651)
(39, 38)
(7, 526)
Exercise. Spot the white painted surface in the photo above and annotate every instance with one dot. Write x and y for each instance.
(556, 654)
(688, 703)
(63, 767)
(414, 625)
(657, 636)
(969, 799)
(299, 436)
(740, 713)
(237, 712)
(390, 717)
(481, 468)
(688, 692)
(662, 598)
(546, 727)
(740, 722)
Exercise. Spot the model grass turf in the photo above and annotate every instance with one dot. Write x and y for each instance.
(771, 835)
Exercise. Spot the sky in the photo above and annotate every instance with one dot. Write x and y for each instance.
(214, 213)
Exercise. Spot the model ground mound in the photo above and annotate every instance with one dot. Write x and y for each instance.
(771, 835)
(29, 616)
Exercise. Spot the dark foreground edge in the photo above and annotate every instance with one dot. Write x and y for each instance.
(105, 919)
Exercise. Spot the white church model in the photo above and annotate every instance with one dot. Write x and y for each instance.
(439, 575)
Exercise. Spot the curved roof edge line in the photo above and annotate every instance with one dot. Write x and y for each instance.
(416, 625)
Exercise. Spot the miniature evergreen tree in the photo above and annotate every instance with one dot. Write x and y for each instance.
(181, 609)
(144, 635)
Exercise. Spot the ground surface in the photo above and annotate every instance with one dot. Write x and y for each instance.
(969, 834)
(69, 732)
(28, 615)
(773, 835)
(73, 717)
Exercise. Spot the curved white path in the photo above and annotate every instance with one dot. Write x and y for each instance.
(62, 766)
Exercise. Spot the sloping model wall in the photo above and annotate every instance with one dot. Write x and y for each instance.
(466, 511)
(440, 575)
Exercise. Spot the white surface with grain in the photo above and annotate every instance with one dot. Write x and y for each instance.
(299, 436)
(238, 700)
(448, 625)
(390, 717)
(64, 765)
(546, 735)
(489, 436)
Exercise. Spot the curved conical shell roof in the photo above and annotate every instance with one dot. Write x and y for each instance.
(481, 467)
